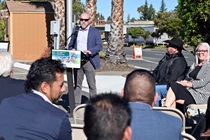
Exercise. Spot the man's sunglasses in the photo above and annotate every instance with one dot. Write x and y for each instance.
(81, 19)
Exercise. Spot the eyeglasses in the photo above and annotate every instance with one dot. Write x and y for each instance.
(201, 51)
(81, 19)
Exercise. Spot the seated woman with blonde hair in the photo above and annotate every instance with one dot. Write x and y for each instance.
(195, 89)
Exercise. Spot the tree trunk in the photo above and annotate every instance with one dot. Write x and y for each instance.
(90, 8)
(115, 53)
(60, 13)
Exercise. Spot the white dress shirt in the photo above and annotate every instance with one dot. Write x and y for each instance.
(82, 39)
(44, 97)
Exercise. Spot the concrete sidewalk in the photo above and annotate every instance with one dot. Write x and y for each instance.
(112, 81)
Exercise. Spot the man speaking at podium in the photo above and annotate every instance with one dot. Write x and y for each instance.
(87, 40)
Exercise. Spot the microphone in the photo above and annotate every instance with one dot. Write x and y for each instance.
(76, 29)
(75, 32)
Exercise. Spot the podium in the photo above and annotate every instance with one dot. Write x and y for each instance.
(71, 59)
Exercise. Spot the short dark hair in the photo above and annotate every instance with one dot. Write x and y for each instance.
(106, 117)
(43, 70)
(140, 86)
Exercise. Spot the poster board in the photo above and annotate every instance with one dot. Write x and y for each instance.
(70, 58)
(4, 46)
(137, 52)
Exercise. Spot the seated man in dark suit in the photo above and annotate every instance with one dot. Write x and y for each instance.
(148, 124)
(8, 86)
(107, 117)
(34, 115)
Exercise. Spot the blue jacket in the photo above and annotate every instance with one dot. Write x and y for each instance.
(148, 124)
(10, 87)
(29, 116)
(94, 44)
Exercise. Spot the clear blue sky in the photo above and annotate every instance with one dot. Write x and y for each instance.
(130, 6)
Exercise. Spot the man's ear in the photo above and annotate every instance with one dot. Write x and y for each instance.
(44, 88)
(122, 92)
(127, 133)
(155, 98)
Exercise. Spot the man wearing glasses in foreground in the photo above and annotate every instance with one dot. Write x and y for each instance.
(172, 67)
(88, 40)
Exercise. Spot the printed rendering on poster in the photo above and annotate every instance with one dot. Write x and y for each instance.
(72, 59)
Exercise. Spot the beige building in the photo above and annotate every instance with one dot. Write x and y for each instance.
(28, 28)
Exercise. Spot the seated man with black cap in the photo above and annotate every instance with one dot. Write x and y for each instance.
(171, 67)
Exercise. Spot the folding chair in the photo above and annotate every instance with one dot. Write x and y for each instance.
(187, 136)
(77, 132)
(78, 114)
(201, 119)
(197, 107)
(173, 112)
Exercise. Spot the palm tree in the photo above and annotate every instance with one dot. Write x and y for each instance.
(91, 9)
(78, 8)
(60, 14)
(115, 52)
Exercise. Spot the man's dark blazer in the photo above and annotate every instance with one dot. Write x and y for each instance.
(10, 87)
(29, 116)
(94, 44)
(148, 124)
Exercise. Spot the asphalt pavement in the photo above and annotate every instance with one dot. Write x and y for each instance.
(151, 57)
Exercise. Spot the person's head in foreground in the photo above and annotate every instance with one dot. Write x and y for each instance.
(107, 117)
(6, 64)
(140, 87)
(46, 76)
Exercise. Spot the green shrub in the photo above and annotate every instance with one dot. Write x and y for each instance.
(102, 54)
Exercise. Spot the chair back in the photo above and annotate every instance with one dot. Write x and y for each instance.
(197, 106)
(77, 132)
(173, 112)
(187, 136)
(196, 109)
(78, 114)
